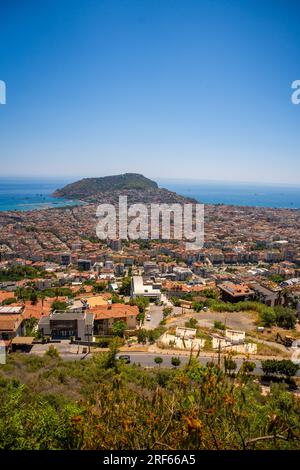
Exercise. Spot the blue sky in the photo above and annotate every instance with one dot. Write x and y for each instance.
(197, 89)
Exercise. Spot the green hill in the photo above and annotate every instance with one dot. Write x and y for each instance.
(91, 186)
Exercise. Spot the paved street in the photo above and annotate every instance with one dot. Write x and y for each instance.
(156, 316)
(74, 352)
(147, 360)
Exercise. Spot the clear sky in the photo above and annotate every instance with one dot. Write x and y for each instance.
(168, 88)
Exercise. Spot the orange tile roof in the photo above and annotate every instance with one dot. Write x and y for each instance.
(114, 311)
(6, 295)
(10, 322)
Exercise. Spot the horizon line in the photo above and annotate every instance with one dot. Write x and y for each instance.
(160, 179)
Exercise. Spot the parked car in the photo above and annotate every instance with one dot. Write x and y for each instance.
(124, 357)
(148, 317)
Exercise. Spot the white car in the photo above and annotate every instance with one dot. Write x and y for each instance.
(148, 317)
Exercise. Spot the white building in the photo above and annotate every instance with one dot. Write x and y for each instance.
(140, 288)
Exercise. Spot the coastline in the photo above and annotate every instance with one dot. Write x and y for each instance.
(27, 195)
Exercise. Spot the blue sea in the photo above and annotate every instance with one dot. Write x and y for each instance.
(25, 194)
(240, 194)
(31, 194)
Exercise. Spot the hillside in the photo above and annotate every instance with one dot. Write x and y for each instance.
(90, 186)
(107, 189)
(102, 404)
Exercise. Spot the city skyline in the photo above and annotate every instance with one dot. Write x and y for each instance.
(187, 90)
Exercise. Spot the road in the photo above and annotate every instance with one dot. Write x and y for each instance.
(156, 316)
(147, 360)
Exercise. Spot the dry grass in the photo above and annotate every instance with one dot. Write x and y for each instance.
(267, 350)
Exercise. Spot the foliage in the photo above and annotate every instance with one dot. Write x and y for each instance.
(116, 299)
(59, 305)
(187, 296)
(267, 316)
(176, 302)
(167, 311)
(158, 360)
(99, 287)
(191, 323)
(219, 325)
(276, 278)
(52, 351)
(248, 367)
(17, 273)
(9, 301)
(229, 364)
(285, 317)
(119, 328)
(210, 293)
(175, 361)
(197, 306)
(125, 286)
(282, 316)
(142, 336)
(284, 367)
(141, 302)
(30, 326)
(102, 404)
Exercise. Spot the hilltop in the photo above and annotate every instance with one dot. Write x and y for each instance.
(136, 187)
(89, 186)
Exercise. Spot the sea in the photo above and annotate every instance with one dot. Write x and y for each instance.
(238, 194)
(23, 194)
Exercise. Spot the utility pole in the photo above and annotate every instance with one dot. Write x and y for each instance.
(219, 354)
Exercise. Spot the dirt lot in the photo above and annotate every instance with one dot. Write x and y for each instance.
(244, 321)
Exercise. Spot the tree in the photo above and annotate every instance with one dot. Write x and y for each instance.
(269, 366)
(191, 323)
(142, 303)
(30, 326)
(175, 361)
(248, 367)
(116, 299)
(219, 325)
(119, 328)
(276, 278)
(126, 286)
(229, 364)
(288, 368)
(197, 306)
(210, 294)
(268, 316)
(285, 317)
(167, 311)
(9, 301)
(59, 305)
(99, 287)
(142, 336)
(158, 360)
(33, 297)
(284, 367)
(175, 302)
(110, 361)
(151, 336)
